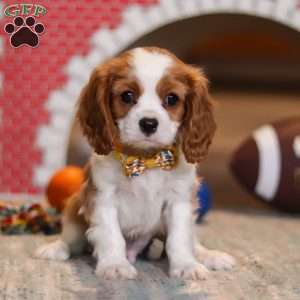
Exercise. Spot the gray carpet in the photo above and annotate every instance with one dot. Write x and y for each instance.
(266, 245)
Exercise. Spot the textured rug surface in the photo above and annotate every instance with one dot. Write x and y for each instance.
(266, 246)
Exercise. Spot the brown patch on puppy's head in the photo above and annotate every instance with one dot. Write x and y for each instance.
(193, 108)
(172, 90)
(95, 111)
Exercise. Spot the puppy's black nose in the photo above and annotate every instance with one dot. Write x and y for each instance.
(148, 125)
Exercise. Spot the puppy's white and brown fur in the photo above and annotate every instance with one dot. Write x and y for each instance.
(117, 214)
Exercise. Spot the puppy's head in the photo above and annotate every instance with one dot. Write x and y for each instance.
(145, 99)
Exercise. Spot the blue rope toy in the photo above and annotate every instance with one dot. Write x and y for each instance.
(204, 197)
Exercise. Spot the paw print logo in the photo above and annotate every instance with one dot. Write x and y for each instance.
(24, 32)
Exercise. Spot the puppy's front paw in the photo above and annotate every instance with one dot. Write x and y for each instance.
(122, 270)
(57, 250)
(189, 271)
(217, 260)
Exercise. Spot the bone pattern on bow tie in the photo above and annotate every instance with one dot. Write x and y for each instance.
(135, 166)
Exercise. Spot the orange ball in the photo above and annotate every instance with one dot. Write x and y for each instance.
(63, 184)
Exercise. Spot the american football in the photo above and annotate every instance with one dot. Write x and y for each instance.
(267, 164)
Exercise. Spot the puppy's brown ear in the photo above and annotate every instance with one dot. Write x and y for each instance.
(94, 112)
(198, 126)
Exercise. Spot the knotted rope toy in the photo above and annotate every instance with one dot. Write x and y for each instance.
(28, 218)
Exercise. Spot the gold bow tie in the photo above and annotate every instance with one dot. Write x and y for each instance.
(134, 166)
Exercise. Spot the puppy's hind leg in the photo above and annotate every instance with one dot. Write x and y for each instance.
(135, 247)
(213, 259)
(72, 240)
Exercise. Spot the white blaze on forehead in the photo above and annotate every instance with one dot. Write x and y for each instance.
(150, 66)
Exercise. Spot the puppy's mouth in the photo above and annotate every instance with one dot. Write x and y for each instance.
(148, 142)
(145, 147)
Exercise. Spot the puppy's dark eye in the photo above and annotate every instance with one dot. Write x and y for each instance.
(128, 97)
(171, 99)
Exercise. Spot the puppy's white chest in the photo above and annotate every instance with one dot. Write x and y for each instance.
(141, 201)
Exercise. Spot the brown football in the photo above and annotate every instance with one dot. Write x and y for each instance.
(268, 164)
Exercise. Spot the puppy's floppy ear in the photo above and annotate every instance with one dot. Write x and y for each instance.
(198, 126)
(94, 112)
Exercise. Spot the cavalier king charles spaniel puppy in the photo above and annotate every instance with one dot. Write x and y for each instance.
(149, 119)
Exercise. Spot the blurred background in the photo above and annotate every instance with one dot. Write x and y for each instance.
(248, 49)
(253, 65)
